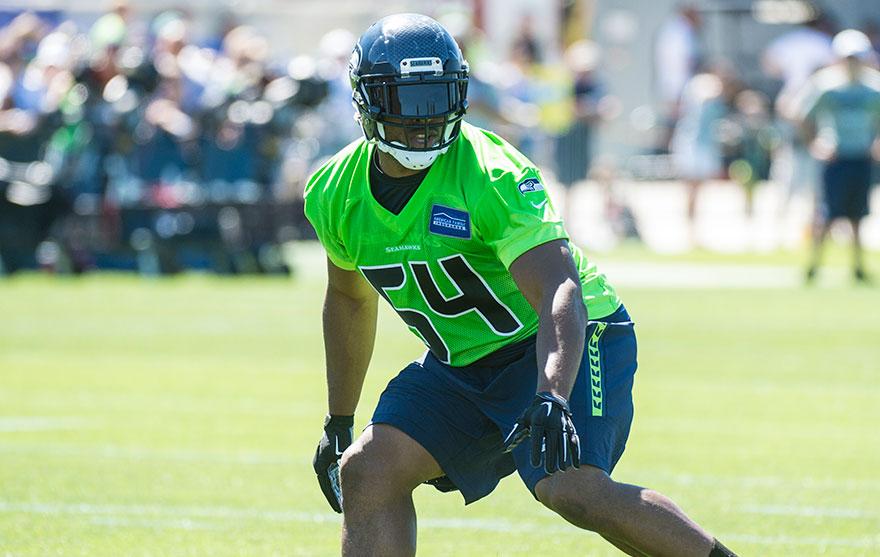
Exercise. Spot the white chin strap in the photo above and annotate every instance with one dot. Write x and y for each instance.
(414, 160)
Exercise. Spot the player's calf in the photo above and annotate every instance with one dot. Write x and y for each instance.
(645, 521)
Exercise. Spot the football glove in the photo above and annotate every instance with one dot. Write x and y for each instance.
(554, 440)
(338, 434)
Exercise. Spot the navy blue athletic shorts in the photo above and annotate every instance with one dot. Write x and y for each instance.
(461, 414)
(847, 183)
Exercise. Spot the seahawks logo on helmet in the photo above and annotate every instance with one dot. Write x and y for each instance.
(355, 61)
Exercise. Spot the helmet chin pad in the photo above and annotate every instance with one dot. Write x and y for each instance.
(413, 160)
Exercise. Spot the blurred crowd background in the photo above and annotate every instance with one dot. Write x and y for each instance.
(157, 137)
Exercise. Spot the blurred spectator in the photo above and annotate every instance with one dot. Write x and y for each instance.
(574, 142)
(521, 90)
(696, 146)
(235, 117)
(336, 111)
(872, 31)
(163, 143)
(795, 55)
(526, 45)
(792, 58)
(167, 124)
(617, 211)
(484, 97)
(19, 39)
(840, 112)
(35, 78)
(753, 139)
(677, 58)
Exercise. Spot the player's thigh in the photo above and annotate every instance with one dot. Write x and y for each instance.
(387, 457)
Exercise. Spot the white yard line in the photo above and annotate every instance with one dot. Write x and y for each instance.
(753, 482)
(156, 524)
(10, 424)
(269, 458)
(166, 512)
(868, 542)
(152, 403)
(812, 512)
(205, 517)
(113, 452)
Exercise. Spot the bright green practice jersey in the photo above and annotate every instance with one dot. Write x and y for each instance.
(442, 263)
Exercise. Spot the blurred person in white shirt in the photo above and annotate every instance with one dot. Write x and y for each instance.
(793, 57)
(677, 57)
(696, 147)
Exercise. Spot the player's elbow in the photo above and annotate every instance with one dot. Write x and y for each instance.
(348, 302)
(578, 305)
(568, 304)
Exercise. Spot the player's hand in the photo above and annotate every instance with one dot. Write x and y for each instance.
(338, 434)
(547, 421)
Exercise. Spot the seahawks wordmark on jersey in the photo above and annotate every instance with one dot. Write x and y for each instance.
(443, 261)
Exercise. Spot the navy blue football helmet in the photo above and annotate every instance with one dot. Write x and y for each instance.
(409, 87)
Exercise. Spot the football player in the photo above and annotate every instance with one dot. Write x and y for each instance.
(531, 354)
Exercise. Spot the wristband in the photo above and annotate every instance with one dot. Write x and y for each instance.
(339, 420)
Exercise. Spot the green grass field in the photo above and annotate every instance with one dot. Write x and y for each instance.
(179, 417)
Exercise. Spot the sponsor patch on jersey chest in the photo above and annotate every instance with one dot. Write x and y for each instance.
(447, 221)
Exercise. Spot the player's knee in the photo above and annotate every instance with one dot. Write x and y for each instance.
(364, 471)
(357, 469)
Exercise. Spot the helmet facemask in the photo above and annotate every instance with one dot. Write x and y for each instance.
(414, 116)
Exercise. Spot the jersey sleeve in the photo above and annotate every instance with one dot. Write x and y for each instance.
(324, 214)
(516, 215)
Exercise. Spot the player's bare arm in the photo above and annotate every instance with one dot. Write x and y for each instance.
(547, 277)
(349, 335)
